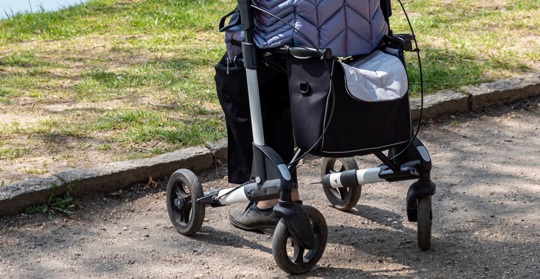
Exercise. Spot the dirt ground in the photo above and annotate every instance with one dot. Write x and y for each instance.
(486, 221)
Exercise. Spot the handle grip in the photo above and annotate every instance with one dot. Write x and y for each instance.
(307, 52)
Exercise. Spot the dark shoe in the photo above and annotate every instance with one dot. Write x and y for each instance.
(254, 219)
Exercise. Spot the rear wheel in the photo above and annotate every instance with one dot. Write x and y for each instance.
(183, 190)
(343, 198)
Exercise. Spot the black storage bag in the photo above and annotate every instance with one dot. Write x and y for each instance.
(232, 93)
(351, 126)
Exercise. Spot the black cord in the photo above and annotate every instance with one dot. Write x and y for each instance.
(417, 50)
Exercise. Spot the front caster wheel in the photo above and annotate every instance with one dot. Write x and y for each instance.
(288, 254)
(183, 190)
(343, 198)
(424, 221)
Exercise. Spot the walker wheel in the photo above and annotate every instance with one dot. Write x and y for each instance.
(343, 198)
(424, 221)
(183, 190)
(292, 258)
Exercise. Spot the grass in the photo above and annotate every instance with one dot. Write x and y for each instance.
(152, 58)
(466, 43)
(55, 203)
(134, 78)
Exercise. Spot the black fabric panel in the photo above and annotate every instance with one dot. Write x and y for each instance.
(355, 128)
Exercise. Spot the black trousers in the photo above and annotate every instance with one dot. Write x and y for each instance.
(232, 93)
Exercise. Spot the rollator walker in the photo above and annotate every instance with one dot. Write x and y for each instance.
(345, 125)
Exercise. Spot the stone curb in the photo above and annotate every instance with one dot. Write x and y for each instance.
(111, 177)
(107, 178)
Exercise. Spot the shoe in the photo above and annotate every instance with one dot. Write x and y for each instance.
(254, 219)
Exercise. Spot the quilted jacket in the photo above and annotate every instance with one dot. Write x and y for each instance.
(348, 27)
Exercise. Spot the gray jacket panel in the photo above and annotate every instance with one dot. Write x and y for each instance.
(348, 27)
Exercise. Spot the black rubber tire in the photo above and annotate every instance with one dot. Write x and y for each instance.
(343, 198)
(289, 256)
(425, 217)
(187, 219)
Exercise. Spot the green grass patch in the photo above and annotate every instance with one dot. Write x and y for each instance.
(12, 152)
(137, 75)
(139, 126)
(464, 43)
(56, 203)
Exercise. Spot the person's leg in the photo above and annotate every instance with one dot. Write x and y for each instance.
(232, 93)
(278, 135)
(277, 122)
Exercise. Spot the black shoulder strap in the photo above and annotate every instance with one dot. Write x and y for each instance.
(387, 11)
(234, 21)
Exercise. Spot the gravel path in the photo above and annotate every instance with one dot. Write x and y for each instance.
(486, 221)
